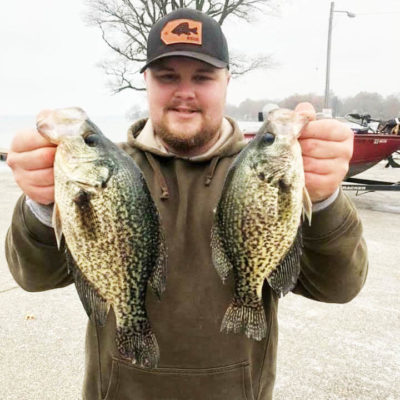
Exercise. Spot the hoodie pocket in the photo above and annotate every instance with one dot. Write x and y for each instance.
(128, 382)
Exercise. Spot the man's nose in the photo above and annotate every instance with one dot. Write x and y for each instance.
(185, 90)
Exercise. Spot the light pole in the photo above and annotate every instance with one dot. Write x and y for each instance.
(328, 56)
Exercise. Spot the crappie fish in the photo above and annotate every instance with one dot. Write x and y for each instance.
(115, 244)
(256, 231)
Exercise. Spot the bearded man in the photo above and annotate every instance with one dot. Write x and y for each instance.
(184, 149)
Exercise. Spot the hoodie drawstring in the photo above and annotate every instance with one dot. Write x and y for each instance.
(211, 170)
(160, 177)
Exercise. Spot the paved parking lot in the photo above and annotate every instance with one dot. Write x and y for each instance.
(326, 352)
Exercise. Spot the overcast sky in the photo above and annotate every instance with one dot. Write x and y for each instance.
(48, 55)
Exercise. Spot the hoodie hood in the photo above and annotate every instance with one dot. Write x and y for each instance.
(232, 145)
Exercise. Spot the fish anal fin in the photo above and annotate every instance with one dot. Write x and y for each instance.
(284, 278)
(57, 226)
(220, 259)
(95, 306)
(158, 277)
(307, 205)
(139, 348)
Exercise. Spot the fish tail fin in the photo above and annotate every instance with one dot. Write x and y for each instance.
(285, 277)
(250, 320)
(158, 277)
(220, 259)
(140, 348)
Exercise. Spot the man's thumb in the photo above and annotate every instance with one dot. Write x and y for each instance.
(306, 109)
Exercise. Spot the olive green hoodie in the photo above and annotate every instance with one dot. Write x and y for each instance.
(197, 362)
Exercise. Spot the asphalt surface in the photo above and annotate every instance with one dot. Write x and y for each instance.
(326, 351)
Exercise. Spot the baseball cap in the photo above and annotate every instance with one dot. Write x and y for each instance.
(189, 33)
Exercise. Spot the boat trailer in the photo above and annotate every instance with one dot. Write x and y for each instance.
(369, 185)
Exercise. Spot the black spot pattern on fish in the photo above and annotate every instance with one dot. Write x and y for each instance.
(115, 238)
(255, 225)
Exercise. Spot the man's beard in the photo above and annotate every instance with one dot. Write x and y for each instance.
(180, 142)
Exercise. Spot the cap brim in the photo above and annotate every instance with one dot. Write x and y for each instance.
(191, 54)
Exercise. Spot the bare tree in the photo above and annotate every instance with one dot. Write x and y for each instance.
(125, 25)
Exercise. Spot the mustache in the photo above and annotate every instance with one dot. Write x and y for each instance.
(184, 105)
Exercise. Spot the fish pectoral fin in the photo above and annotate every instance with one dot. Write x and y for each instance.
(285, 276)
(307, 206)
(158, 277)
(57, 226)
(95, 306)
(220, 259)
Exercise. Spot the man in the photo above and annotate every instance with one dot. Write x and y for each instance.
(184, 150)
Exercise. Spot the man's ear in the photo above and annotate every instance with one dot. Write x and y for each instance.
(228, 76)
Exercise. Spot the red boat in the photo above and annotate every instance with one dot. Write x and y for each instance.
(371, 148)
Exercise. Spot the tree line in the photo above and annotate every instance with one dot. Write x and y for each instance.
(375, 104)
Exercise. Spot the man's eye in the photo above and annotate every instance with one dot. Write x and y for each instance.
(202, 78)
(167, 78)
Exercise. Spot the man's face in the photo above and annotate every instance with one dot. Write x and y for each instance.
(186, 102)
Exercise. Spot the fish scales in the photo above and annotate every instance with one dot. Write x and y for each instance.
(112, 231)
(256, 224)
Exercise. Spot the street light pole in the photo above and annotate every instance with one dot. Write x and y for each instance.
(328, 55)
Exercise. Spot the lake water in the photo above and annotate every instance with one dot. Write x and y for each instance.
(114, 127)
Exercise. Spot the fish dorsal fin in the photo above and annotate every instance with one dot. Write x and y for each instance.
(57, 226)
(307, 206)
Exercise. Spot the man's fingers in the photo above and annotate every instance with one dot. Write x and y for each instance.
(29, 139)
(325, 166)
(325, 149)
(327, 129)
(40, 177)
(42, 195)
(307, 110)
(39, 158)
(320, 187)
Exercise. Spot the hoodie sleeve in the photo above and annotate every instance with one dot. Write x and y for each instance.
(334, 261)
(32, 254)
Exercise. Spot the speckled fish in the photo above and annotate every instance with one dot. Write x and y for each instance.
(111, 227)
(256, 231)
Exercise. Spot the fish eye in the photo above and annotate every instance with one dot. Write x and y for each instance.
(268, 138)
(91, 140)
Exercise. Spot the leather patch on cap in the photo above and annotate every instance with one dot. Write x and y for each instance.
(182, 31)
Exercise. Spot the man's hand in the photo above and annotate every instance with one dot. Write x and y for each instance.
(31, 158)
(327, 147)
